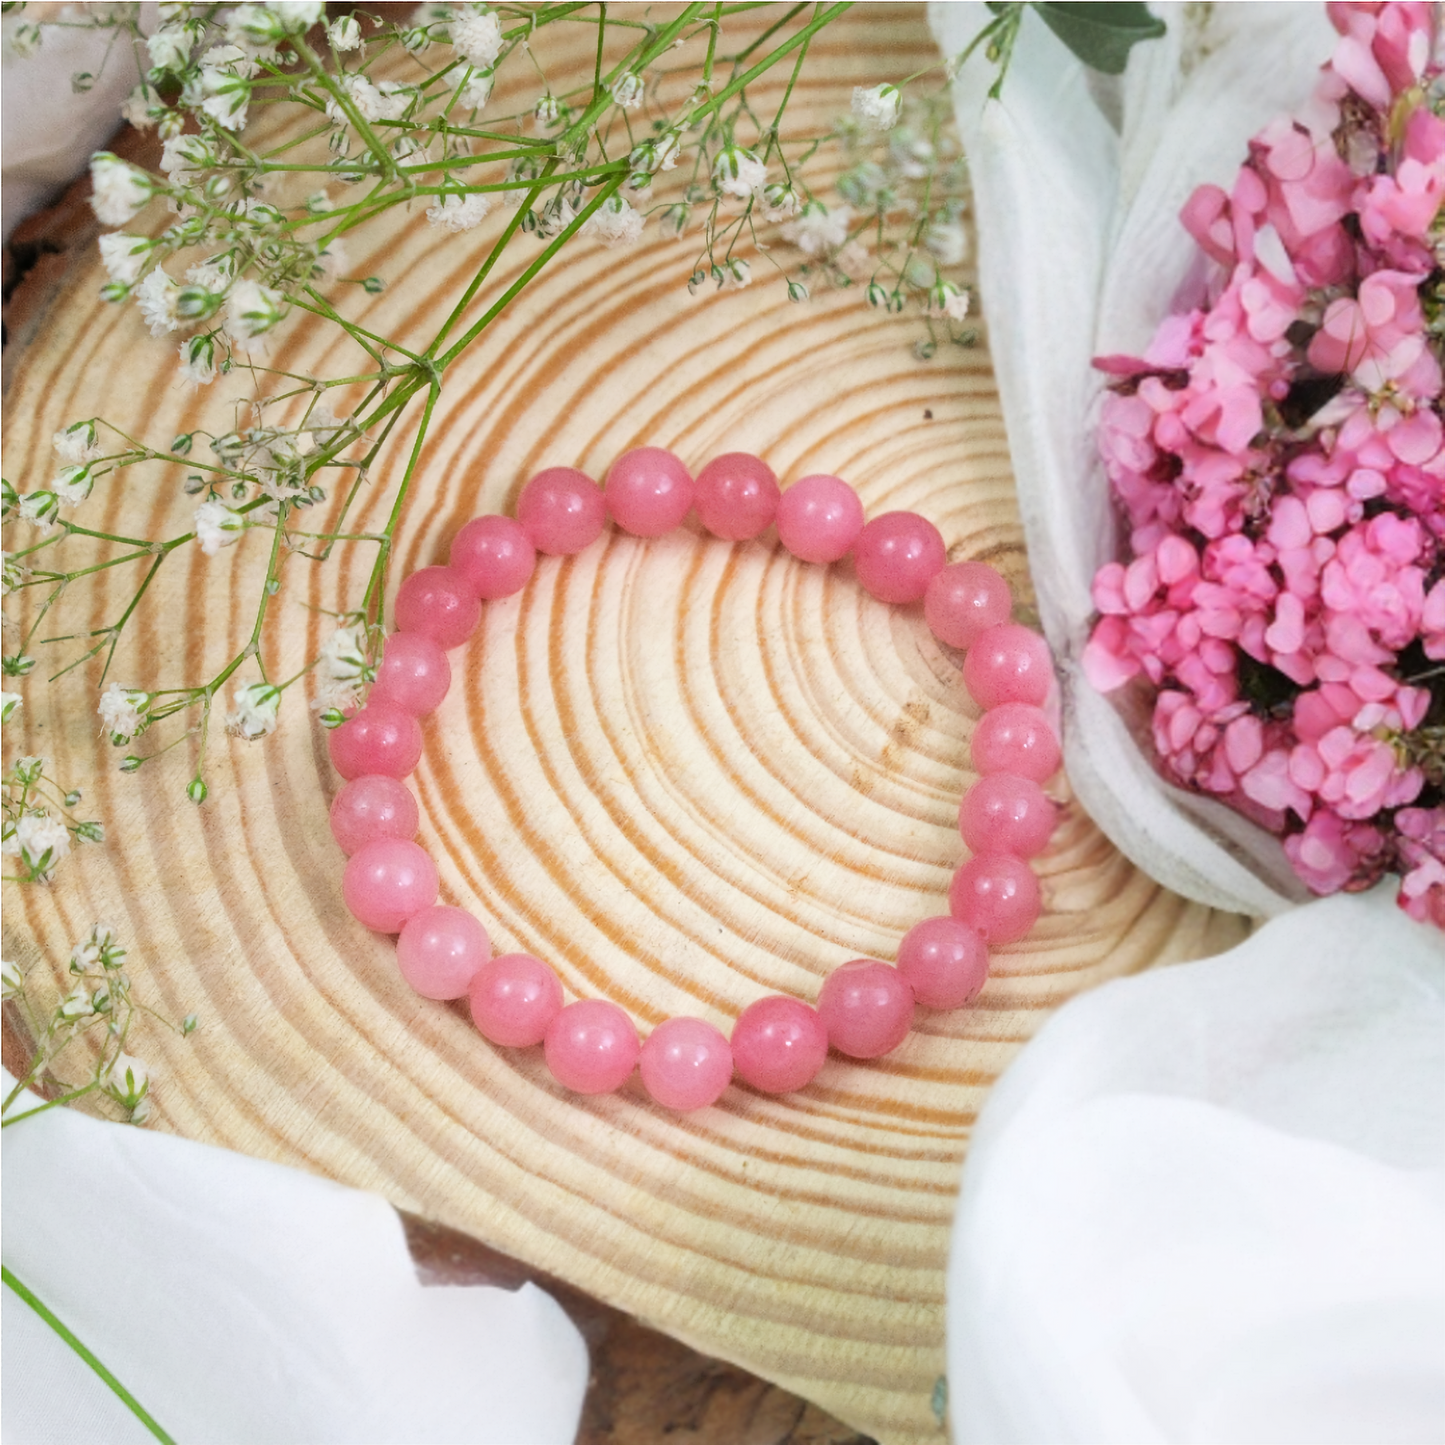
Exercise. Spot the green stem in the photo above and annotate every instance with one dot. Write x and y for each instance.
(50, 1318)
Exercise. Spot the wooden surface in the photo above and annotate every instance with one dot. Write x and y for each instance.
(687, 773)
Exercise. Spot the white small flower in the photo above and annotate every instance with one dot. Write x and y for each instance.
(11, 979)
(39, 509)
(198, 359)
(184, 156)
(123, 712)
(253, 310)
(739, 173)
(142, 106)
(344, 33)
(124, 257)
(225, 96)
(460, 213)
(156, 297)
(254, 715)
(299, 16)
(77, 443)
(332, 693)
(40, 842)
(818, 231)
(956, 308)
(76, 1004)
(877, 107)
(343, 654)
(98, 949)
(627, 91)
(120, 190)
(614, 223)
(72, 485)
(127, 1081)
(779, 202)
(477, 37)
(948, 241)
(216, 526)
(170, 47)
(735, 274)
(659, 154)
(477, 89)
(556, 216)
(546, 112)
(10, 704)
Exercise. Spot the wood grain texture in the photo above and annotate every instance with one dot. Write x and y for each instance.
(687, 773)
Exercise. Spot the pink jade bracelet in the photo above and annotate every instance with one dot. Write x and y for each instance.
(778, 1044)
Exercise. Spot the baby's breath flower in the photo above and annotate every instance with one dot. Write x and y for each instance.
(614, 223)
(657, 154)
(556, 216)
(11, 979)
(674, 221)
(734, 274)
(546, 112)
(460, 213)
(170, 46)
(819, 232)
(156, 297)
(946, 300)
(143, 107)
(477, 36)
(123, 712)
(72, 485)
(10, 704)
(77, 442)
(76, 1004)
(343, 654)
(124, 257)
(477, 89)
(98, 949)
(198, 359)
(216, 526)
(40, 842)
(948, 241)
(627, 91)
(184, 156)
(779, 202)
(254, 714)
(254, 310)
(226, 96)
(120, 190)
(127, 1081)
(344, 33)
(739, 173)
(39, 509)
(877, 107)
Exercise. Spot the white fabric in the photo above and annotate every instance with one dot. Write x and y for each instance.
(1207, 1204)
(240, 1301)
(1080, 251)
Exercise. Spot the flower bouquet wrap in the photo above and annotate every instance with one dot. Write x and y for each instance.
(1222, 387)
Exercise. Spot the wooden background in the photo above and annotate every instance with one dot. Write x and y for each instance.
(685, 772)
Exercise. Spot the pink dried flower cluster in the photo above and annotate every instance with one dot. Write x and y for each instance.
(1277, 456)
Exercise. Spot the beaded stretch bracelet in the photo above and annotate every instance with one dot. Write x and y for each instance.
(778, 1044)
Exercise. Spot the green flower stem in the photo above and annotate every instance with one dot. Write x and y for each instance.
(374, 143)
(80, 1348)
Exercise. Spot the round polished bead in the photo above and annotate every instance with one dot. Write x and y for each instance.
(514, 999)
(1015, 738)
(997, 894)
(1008, 663)
(686, 1064)
(866, 1007)
(648, 491)
(779, 1044)
(562, 511)
(819, 519)
(440, 950)
(387, 881)
(897, 555)
(439, 603)
(736, 496)
(945, 960)
(1004, 813)
(495, 555)
(372, 806)
(381, 738)
(963, 600)
(592, 1047)
(414, 674)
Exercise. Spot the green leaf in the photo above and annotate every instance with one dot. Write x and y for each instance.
(1102, 34)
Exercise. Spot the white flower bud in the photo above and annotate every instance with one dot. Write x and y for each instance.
(170, 47)
(40, 509)
(10, 704)
(120, 190)
(198, 359)
(254, 310)
(344, 33)
(77, 443)
(127, 1081)
(627, 91)
(254, 714)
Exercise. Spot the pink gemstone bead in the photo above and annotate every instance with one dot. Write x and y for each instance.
(369, 807)
(439, 603)
(440, 950)
(897, 555)
(997, 894)
(779, 1044)
(866, 1007)
(819, 519)
(592, 1047)
(648, 491)
(963, 600)
(495, 555)
(562, 511)
(1015, 738)
(1008, 663)
(686, 1064)
(414, 674)
(945, 960)
(736, 496)
(514, 999)
(1003, 813)
(387, 881)
(381, 738)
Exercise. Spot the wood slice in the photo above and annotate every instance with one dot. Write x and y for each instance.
(685, 772)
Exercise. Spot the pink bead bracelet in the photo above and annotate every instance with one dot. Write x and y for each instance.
(865, 1007)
